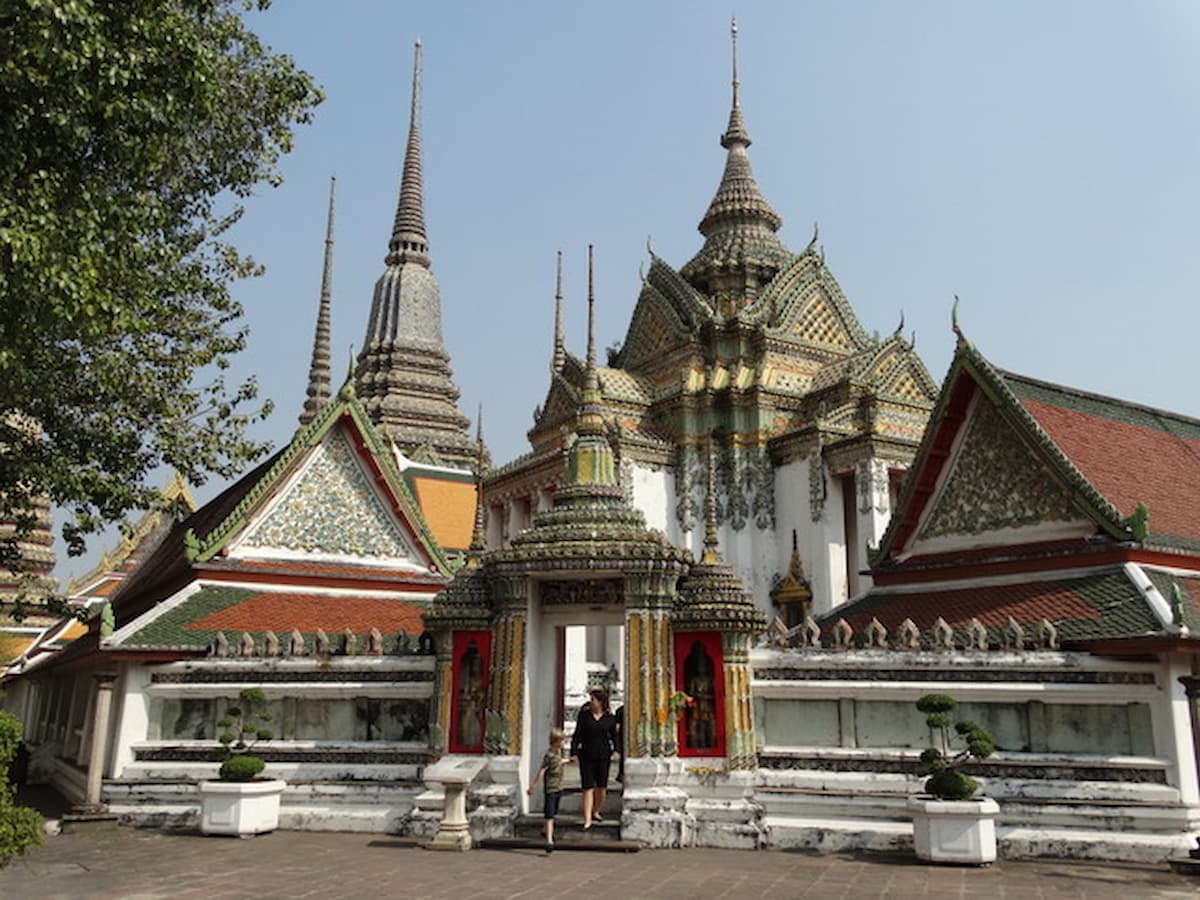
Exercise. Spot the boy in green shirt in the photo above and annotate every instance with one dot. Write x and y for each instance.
(552, 770)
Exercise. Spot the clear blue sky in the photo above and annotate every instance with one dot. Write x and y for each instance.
(1038, 159)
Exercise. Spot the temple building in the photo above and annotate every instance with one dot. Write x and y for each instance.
(767, 532)
(751, 350)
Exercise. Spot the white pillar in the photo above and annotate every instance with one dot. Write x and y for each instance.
(132, 715)
(103, 705)
(1177, 719)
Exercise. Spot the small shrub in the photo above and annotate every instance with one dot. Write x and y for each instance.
(242, 767)
(946, 781)
(242, 727)
(20, 827)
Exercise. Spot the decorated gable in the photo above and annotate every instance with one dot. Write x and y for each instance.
(656, 330)
(996, 485)
(330, 509)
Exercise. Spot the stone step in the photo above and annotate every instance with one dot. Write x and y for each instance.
(773, 780)
(1020, 842)
(168, 770)
(564, 843)
(836, 835)
(336, 793)
(568, 827)
(1097, 814)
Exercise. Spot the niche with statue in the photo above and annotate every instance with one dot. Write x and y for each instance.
(471, 664)
(700, 680)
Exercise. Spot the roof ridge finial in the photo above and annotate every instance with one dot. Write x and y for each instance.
(409, 241)
(318, 392)
(560, 349)
(712, 553)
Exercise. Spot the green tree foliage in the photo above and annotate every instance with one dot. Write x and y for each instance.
(20, 827)
(131, 131)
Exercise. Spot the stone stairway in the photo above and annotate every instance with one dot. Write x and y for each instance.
(1114, 820)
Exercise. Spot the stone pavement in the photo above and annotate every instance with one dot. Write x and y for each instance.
(114, 862)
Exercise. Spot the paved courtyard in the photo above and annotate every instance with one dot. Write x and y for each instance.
(112, 862)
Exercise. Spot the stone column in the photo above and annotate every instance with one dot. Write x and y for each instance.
(648, 670)
(506, 694)
(741, 738)
(99, 744)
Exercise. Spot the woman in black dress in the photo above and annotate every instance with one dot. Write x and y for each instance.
(594, 744)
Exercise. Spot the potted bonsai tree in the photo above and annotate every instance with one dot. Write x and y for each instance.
(240, 801)
(950, 824)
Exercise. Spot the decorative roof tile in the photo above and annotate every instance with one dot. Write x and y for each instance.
(196, 621)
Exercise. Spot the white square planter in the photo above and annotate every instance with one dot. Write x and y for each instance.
(240, 807)
(954, 831)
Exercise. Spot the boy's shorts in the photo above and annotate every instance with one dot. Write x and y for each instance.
(550, 806)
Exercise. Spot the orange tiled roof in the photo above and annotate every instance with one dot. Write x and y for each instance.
(283, 612)
(1130, 463)
(449, 508)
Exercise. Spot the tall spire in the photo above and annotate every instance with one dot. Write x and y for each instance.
(403, 376)
(409, 242)
(318, 371)
(741, 251)
(560, 348)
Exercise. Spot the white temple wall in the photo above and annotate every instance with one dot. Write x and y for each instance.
(1095, 757)
(654, 496)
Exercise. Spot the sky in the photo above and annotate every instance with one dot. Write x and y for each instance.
(1037, 159)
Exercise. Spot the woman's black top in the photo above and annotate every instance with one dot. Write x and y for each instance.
(594, 738)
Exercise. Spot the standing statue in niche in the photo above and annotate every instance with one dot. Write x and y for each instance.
(470, 698)
(700, 717)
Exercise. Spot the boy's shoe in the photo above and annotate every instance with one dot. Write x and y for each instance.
(549, 846)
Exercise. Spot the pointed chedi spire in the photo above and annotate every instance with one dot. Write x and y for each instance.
(403, 376)
(409, 242)
(741, 251)
(560, 348)
(591, 466)
(318, 392)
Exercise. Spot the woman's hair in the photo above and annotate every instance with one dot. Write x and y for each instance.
(601, 695)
